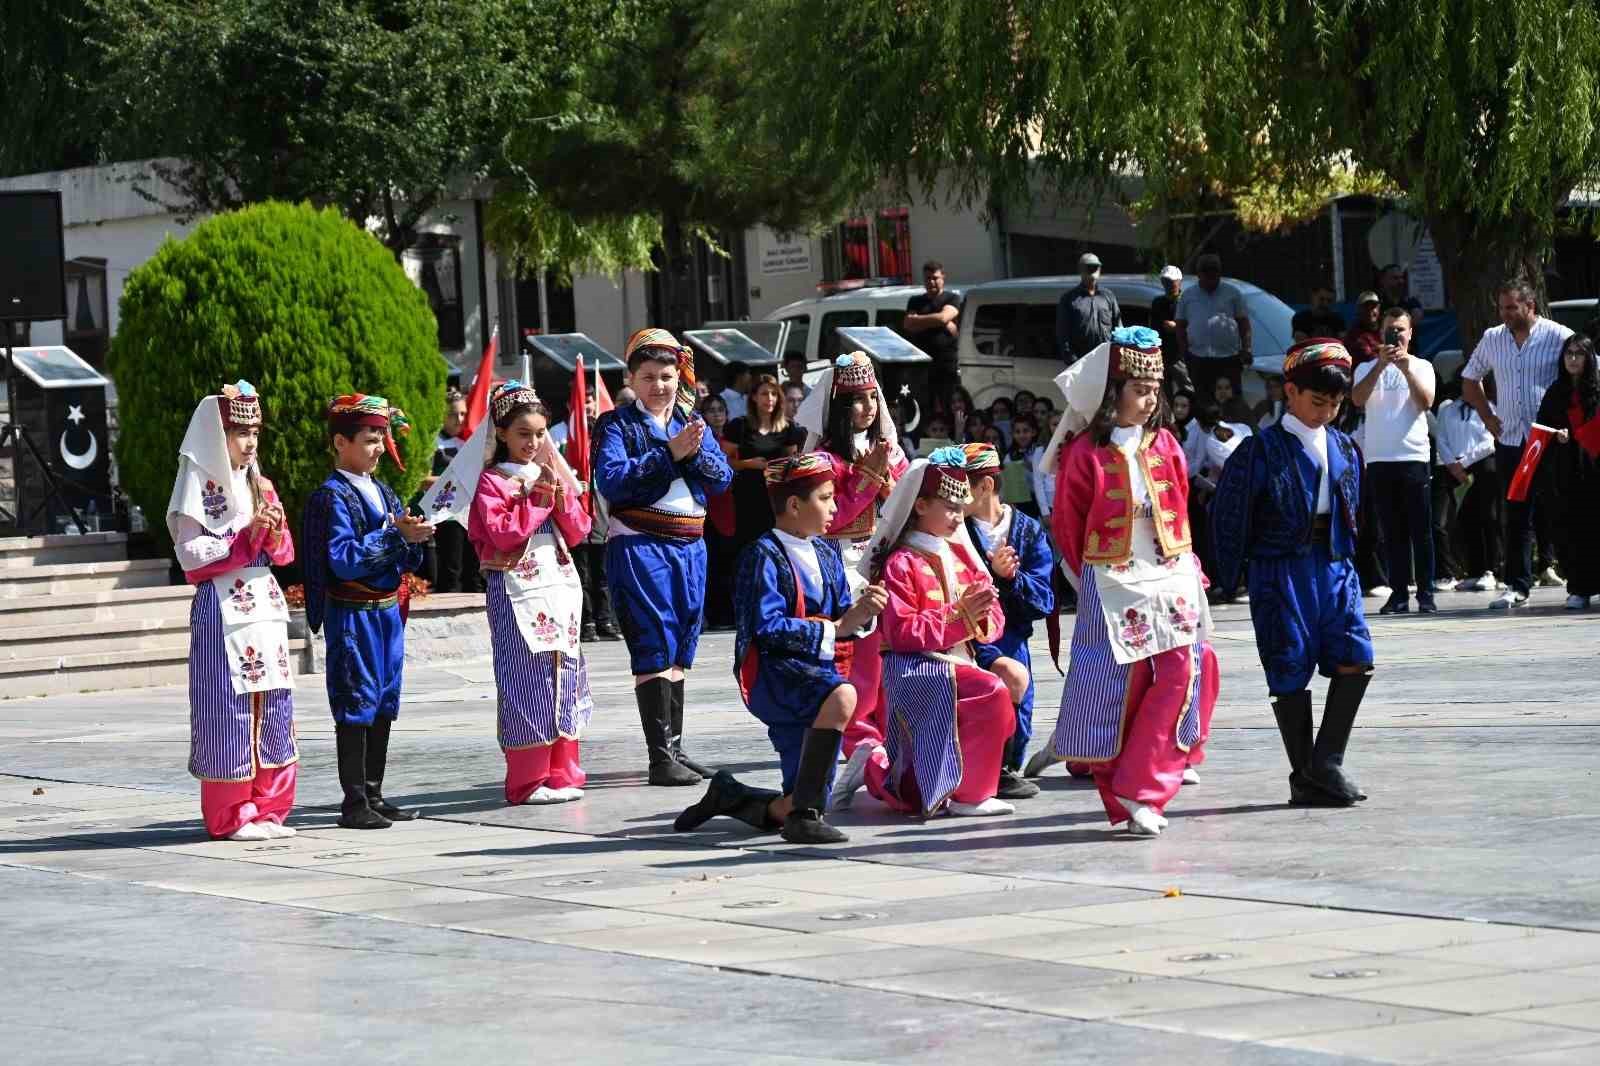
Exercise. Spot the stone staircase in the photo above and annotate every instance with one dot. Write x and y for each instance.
(77, 615)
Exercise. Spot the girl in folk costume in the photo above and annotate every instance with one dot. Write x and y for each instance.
(845, 416)
(526, 514)
(227, 524)
(948, 719)
(656, 464)
(1143, 681)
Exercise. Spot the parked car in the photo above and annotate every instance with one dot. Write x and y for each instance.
(1008, 331)
(813, 323)
(1575, 314)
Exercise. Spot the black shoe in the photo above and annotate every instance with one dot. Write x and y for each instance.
(1345, 692)
(1396, 606)
(683, 757)
(723, 796)
(1306, 791)
(1427, 606)
(1293, 712)
(356, 811)
(655, 718)
(607, 632)
(588, 634)
(1014, 787)
(377, 760)
(808, 827)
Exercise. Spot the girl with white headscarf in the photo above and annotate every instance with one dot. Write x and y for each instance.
(228, 528)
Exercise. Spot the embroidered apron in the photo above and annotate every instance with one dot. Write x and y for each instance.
(545, 594)
(255, 629)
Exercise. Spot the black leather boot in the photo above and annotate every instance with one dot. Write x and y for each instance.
(1293, 712)
(1345, 692)
(1012, 784)
(377, 759)
(355, 812)
(805, 824)
(655, 718)
(677, 733)
(727, 795)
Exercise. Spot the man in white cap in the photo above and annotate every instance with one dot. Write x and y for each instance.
(1085, 315)
(1164, 310)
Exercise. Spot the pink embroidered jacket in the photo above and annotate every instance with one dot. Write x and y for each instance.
(922, 615)
(1093, 516)
(501, 522)
(248, 543)
(856, 491)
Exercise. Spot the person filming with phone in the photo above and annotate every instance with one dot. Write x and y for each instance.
(1395, 389)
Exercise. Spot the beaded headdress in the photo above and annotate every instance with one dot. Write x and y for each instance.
(240, 405)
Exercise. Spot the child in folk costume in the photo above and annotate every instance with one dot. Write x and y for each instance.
(1143, 680)
(1287, 502)
(1017, 553)
(948, 719)
(360, 543)
(527, 513)
(655, 464)
(796, 633)
(227, 525)
(845, 417)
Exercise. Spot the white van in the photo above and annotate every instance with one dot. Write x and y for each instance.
(813, 323)
(1008, 331)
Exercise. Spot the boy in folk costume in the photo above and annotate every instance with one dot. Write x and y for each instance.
(526, 514)
(1143, 680)
(1287, 503)
(655, 464)
(948, 718)
(360, 543)
(227, 526)
(796, 631)
(1014, 547)
(846, 417)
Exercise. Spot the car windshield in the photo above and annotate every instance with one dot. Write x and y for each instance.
(1573, 317)
(1269, 319)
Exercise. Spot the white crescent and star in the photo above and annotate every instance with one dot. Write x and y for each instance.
(78, 460)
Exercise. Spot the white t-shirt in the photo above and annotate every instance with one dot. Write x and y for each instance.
(1396, 428)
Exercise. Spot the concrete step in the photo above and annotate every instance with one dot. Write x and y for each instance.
(102, 607)
(59, 549)
(74, 639)
(58, 675)
(71, 578)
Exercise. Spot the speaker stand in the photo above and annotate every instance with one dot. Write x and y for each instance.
(18, 439)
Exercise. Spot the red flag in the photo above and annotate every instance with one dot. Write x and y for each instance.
(578, 430)
(1533, 450)
(478, 398)
(604, 403)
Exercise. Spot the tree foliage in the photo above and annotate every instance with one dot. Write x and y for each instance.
(299, 302)
(1481, 114)
(379, 108)
(43, 58)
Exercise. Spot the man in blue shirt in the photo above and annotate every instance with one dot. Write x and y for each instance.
(1213, 329)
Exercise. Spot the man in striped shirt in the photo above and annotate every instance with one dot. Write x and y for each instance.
(1524, 354)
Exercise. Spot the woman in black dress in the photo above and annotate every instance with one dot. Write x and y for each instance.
(1568, 481)
(762, 435)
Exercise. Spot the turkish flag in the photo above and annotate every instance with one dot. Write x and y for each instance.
(1533, 450)
(478, 398)
(578, 428)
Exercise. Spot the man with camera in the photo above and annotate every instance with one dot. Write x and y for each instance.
(1395, 390)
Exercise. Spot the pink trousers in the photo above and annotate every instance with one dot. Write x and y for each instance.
(227, 806)
(1149, 770)
(985, 720)
(866, 674)
(553, 765)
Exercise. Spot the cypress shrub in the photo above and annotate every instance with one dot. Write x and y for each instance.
(299, 302)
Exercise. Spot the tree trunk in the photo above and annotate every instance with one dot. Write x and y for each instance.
(1478, 257)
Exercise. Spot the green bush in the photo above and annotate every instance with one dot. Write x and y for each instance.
(297, 301)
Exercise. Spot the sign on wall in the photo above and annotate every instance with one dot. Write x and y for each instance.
(784, 253)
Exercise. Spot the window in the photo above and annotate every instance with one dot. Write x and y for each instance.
(893, 317)
(799, 327)
(1015, 331)
(434, 265)
(86, 328)
(876, 246)
(829, 343)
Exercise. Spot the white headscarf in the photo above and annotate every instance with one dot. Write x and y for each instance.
(814, 410)
(1083, 384)
(450, 498)
(897, 513)
(205, 489)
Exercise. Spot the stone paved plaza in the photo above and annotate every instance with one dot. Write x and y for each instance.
(1453, 918)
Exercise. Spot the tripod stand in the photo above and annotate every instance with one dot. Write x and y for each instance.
(16, 436)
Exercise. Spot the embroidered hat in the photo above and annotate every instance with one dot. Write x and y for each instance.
(1136, 354)
(1314, 352)
(509, 395)
(853, 373)
(240, 405)
(652, 342)
(357, 410)
(796, 475)
(982, 456)
(946, 476)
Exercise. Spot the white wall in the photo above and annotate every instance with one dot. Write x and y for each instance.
(959, 237)
(610, 309)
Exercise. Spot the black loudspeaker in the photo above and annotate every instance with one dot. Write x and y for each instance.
(33, 283)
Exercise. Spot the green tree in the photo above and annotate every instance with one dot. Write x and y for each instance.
(1481, 114)
(43, 58)
(301, 303)
(379, 108)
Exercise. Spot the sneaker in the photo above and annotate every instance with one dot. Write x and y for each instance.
(1396, 606)
(852, 777)
(1486, 583)
(1444, 584)
(544, 794)
(988, 807)
(1577, 603)
(1427, 606)
(1379, 592)
(1508, 599)
(275, 830)
(252, 831)
(1550, 579)
(1040, 761)
(1013, 786)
